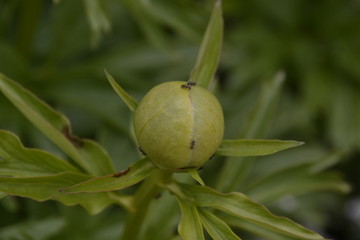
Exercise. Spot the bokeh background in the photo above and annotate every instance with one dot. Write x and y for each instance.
(59, 50)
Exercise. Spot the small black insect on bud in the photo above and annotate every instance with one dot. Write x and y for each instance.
(186, 86)
(191, 83)
(142, 151)
(192, 144)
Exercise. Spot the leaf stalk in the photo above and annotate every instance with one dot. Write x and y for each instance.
(142, 199)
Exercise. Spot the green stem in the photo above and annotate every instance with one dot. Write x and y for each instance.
(142, 199)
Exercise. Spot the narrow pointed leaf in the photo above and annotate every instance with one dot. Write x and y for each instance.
(16, 160)
(134, 174)
(253, 147)
(173, 15)
(209, 54)
(195, 175)
(241, 206)
(216, 227)
(128, 100)
(97, 18)
(273, 164)
(327, 161)
(259, 118)
(190, 226)
(38, 228)
(254, 229)
(47, 188)
(234, 171)
(88, 154)
(152, 30)
(298, 180)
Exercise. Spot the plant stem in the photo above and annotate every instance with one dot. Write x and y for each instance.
(142, 199)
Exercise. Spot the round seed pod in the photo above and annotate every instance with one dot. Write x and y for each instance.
(179, 125)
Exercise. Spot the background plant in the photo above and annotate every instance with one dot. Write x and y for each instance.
(259, 41)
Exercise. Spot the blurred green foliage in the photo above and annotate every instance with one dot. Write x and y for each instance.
(60, 50)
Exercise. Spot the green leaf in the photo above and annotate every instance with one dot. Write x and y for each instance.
(176, 15)
(47, 187)
(344, 115)
(190, 226)
(2, 195)
(158, 217)
(150, 26)
(128, 100)
(253, 228)
(261, 115)
(88, 154)
(195, 175)
(327, 161)
(298, 180)
(39, 188)
(234, 171)
(273, 164)
(134, 174)
(98, 20)
(40, 229)
(241, 206)
(253, 147)
(210, 50)
(16, 160)
(216, 227)
(274, 177)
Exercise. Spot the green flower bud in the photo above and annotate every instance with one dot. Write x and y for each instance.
(179, 125)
